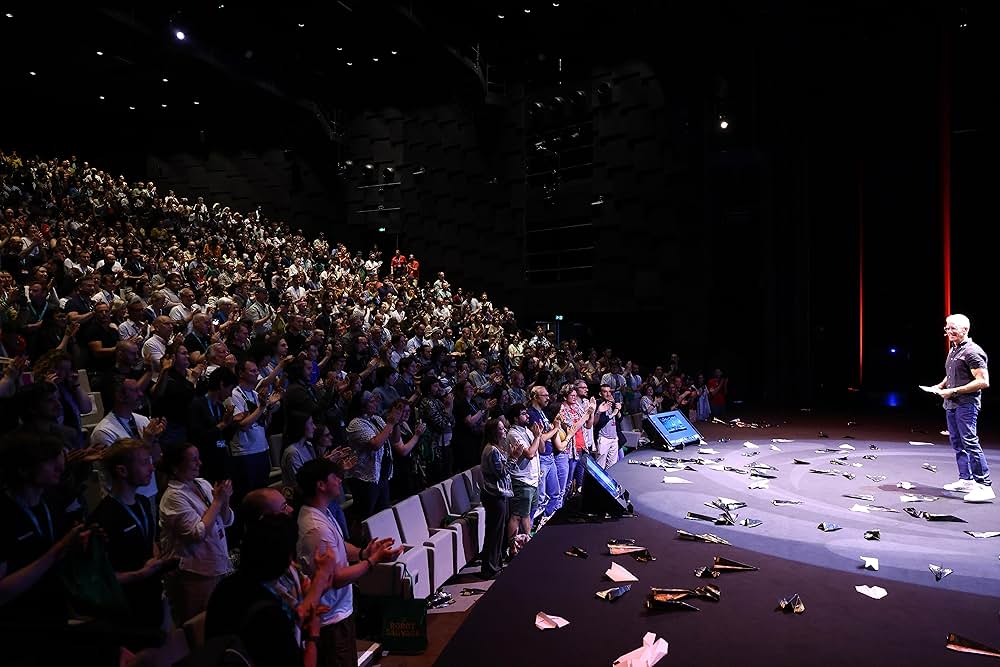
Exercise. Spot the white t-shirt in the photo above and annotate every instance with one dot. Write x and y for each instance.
(253, 440)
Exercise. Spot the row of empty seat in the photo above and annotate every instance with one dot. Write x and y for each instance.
(442, 529)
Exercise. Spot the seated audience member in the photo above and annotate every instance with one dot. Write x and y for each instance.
(128, 523)
(193, 518)
(320, 483)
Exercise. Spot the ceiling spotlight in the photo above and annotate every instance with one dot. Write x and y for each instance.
(9, 15)
(131, 108)
(180, 35)
(499, 16)
(340, 48)
(221, 6)
(555, 4)
(163, 106)
(527, 11)
(349, 63)
(165, 79)
(302, 25)
(394, 52)
(100, 53)
(33, 73)
(723, 123)
(388, 174)
(375, 59)
(196, 102)
(100, 97)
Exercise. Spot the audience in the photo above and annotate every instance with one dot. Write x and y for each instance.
(127, 344)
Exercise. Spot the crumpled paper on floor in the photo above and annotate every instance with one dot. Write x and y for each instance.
(545, 621)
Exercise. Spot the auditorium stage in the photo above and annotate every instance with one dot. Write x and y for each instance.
(839, 627)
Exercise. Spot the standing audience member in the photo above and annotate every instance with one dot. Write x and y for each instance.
(498, 461)
(320, 482)
(128, 523)
(194, 516)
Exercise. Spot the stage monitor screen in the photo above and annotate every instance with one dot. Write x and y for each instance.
(602, 477)
(674, 428)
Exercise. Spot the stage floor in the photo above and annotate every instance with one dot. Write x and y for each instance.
(839, 627)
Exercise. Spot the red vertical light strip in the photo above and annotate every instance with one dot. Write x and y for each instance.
(861, 274)
(944, 131)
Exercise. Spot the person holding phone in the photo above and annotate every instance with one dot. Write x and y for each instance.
(607, 428)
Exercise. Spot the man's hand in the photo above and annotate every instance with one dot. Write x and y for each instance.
(154, 428)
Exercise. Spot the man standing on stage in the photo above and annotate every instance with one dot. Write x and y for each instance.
(965, 378)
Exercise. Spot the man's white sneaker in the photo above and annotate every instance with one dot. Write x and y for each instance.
(980, 494)
(963, 485)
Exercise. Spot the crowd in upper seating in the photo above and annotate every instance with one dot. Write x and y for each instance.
(157, 350)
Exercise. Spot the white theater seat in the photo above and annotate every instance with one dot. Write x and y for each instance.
(461, 504)
(442, 543)
(390, 578)
(435, 503)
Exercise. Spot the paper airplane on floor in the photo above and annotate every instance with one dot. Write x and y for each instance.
(873, 535)
(846, 446)
(676, 480)
(623, 549)
(727, 565)
(647, 655)
(876, 478)
(775, 448)
(704, 537)
(859, 508)
(791, 605)
(613, 594)
(781, 440)
(874, 592)
(919, 443)
(928, 466)
(871, 563)
(722, 503)
(777, 502)
(758, 484)
(913, 498)
(939, 571)
(918, 514)
(989, 533)
(965, 645)
(905, 485)
(545, 621)
(828, 527)
(750, 445)
(619, 574)
(861, 496)
(707, 450)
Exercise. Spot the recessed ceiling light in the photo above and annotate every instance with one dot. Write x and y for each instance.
(165, 79)
(527, 11)
(33, 73)
(196, 102)
(374, 59)
(100, 97)
(163, 106)
(349, 63)
(100, 53)
(9, 15)
(180, 35)
(131, 108)
(394, 52)
(340, 48)
(499, 16)
(555, 4)
(302, 25)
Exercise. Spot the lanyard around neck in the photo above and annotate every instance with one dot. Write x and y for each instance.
(143, 525)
